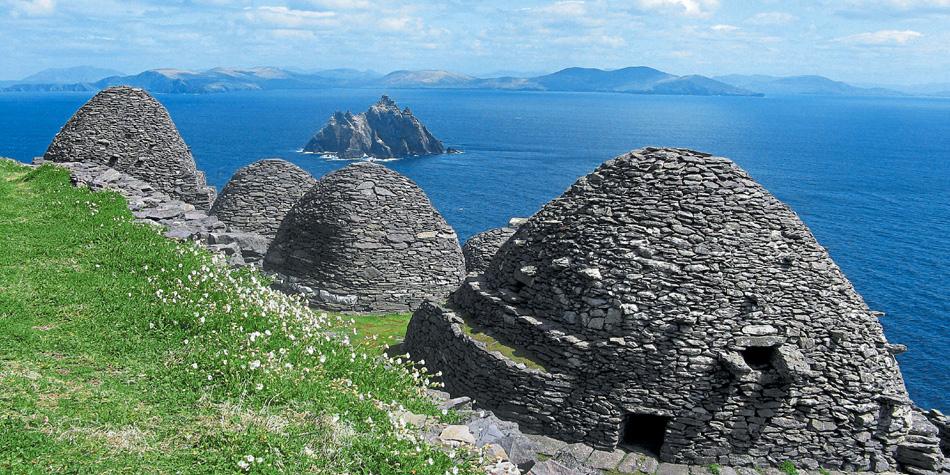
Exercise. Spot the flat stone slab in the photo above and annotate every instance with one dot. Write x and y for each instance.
(550, 467)
(637, 462)
(672, 469)
(547, 445)
(457, 434)
(579, 451)
(604, 460)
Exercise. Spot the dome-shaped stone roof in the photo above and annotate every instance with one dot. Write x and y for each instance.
(670, 300)
(127, 129)
(258, 196)
(480, 248)
(366, 238)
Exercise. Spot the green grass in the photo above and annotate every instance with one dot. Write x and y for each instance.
(124, 352)
(788, 468)
(381, 330)
(517, 355)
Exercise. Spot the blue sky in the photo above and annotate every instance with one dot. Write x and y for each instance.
(863, 41)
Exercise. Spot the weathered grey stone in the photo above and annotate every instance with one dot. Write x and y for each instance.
(347, 247)
(495, 452)
(672, 469)
(605, 460)
(547, 445)
(383, 131)
(635, 462)
(550, 467)
(480, 248)
(126, 129)
(458, 434)
(258, 196)
(646, 298)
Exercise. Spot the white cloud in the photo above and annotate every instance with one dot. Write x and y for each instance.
(882, 37)
(686, 7)
(772, 18)
(569, 8)
(724, 28)
(289, 18)
(30, 7)
(402, 23)
(342, 4)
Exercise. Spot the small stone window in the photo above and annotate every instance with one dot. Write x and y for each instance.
(644, 431)
(760, 358)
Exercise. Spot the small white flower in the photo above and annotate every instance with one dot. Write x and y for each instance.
(259, 387)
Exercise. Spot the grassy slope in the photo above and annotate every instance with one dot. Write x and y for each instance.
(122, 352)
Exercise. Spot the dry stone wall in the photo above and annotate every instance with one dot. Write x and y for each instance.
(366, 238)
(258, 196)
(669, 289)
(128, 130)
(180, 220)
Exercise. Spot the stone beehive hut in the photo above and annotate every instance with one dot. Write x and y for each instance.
(258, 196)
(670, 302)
(127, 129)
(366, 238)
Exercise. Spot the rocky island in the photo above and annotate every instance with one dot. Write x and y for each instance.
(383, 131)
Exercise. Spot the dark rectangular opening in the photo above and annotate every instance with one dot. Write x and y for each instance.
(644, 431)
(759, 357)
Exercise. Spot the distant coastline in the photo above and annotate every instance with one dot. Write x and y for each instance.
(631, 80)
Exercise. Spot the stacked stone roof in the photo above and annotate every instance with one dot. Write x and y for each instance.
(258, 196)
(127, 129)
(668, 283)
(366, 238)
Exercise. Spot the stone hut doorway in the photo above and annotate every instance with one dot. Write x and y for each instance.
(644, 432)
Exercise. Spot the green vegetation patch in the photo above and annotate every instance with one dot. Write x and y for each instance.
(124, 352)
(483, 335)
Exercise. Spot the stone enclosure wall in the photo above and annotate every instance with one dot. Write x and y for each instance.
(366, 238)
(128, 130)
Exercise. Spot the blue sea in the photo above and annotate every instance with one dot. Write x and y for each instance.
(870, 176)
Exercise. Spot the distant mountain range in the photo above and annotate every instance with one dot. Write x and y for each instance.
(635, 80)
(802, 85)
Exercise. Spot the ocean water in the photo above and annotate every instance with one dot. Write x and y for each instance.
(870, 176)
